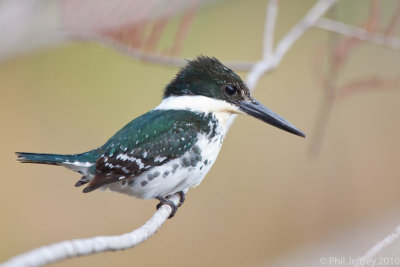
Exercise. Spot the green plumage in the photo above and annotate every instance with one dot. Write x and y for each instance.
(206, 72)
(146, 142)
(161, 133)
(149, 141)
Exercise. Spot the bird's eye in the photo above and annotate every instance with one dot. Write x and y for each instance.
(230, 89)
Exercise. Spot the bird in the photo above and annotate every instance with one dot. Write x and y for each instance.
(171, 148)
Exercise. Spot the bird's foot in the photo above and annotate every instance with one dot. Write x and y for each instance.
(168, 202)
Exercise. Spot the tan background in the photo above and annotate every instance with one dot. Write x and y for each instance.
(264, 197)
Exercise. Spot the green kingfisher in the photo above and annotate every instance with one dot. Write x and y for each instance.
(172, 147)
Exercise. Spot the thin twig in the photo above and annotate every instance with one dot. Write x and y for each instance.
(369, 82)
(336, 59)
(81, 247)
(152, 58)
(394, 22)
(269, 28)
(340, 54)
(183, 28)
(359, 33)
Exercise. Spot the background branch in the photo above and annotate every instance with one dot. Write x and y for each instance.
(358, 33)
(270, 62)
(154, 58)
(339, 53)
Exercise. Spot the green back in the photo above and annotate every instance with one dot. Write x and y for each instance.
(148, 141)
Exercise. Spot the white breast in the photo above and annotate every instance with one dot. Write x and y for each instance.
(175, 175)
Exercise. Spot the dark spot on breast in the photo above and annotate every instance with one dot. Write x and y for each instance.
(196, 149)
(174, 167)
(143, 183)
(130, 182)
(123, 182)
(166, 173)
(156, 174)
(193, 160)
(185, 162)
(206, 162)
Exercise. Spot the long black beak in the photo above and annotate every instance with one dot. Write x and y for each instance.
(258, 110)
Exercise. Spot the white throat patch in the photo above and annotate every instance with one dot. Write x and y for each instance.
(221, 109)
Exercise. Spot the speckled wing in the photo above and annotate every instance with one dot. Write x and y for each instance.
(148, 141)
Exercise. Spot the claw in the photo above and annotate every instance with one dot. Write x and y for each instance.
(168, 202)
(182, 198)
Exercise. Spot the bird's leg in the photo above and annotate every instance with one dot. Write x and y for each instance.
(168, 202)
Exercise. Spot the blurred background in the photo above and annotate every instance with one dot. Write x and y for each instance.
(271, 199)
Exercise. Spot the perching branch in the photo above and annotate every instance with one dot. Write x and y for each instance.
(87, 246)
(379, 247)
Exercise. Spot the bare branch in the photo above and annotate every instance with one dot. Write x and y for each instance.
(81, 247)
(269, 28)
(154, 58)
(183, 28)
(269, 63)
(359, 33)
(370, 82)
(340, 54)
(394, 22)
(271, 58)
(298, 30)
(379, 247)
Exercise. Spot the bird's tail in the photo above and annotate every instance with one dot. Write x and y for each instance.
(52, 159)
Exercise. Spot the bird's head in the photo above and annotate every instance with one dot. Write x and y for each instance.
(206, 84)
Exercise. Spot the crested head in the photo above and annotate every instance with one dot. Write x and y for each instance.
(206, 76)
(206, 85)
